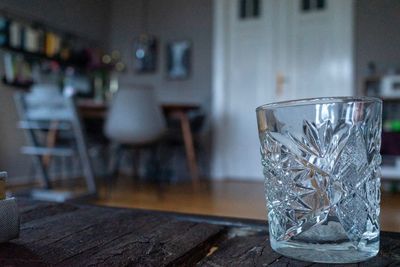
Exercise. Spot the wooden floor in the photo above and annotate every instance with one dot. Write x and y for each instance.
(223, 198)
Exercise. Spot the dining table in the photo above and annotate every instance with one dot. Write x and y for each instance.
(73, 234)
(90, 109)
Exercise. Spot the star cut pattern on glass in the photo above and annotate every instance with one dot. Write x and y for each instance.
(329, 170)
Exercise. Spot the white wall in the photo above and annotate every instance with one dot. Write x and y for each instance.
(167, 20)
(377, 36)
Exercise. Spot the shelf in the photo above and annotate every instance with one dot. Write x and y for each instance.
(22, 86)
(390, 173)
(372, 79)
(40, 56)
(81, 62)
(386, 98)
(390, 99)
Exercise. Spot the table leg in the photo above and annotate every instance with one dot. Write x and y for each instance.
(189, 147)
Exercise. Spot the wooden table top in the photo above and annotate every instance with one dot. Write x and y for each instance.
(82, 235)
(91, 104)
(95, 109)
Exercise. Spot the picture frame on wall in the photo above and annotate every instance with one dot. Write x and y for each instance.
(179, 57)
(145, 54)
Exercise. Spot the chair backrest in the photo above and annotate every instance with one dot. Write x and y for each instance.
(46, 102)
(134, 117)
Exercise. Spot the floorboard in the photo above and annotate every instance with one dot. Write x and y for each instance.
(223, 198)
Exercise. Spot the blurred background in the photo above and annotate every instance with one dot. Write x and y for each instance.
(151, 103)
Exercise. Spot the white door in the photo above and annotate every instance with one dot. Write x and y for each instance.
(246, 83)
(319, 48)
(284, 53)
(249, 78)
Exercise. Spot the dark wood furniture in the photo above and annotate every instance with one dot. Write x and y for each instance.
(83, 235)
(90, 109)
(179, 112)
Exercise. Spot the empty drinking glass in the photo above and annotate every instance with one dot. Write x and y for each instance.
(322, 177)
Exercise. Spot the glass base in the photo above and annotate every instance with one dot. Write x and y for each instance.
(326, 253)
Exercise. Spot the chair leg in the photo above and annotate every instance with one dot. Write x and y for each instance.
(154, 171)
(113, 169)
(136, 163)
(32, 173)
(164, 153)
(69, 172)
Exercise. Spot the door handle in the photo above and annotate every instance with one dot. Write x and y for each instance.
(280, 84)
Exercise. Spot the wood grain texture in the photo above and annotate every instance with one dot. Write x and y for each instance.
(221, 198)
(254, 250)
(69, 235)
(81, 235)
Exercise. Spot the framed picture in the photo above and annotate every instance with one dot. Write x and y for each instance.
(145, 54)
(179, 60)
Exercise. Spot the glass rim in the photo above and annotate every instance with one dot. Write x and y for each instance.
(318, 100)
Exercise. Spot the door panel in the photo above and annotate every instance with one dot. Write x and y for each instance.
(249, 86)
(321, 52)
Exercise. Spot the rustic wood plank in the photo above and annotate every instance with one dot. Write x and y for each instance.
(254, 250)
(390, 247)
(53, 228)
(24, 205)
(98, 234)
(242, 251)
(76, 235)
(30, 210)
(378, 261)
(18, 255)
(155, 241)
(283, 261)
(69, 235)
(42, 210)
(24, 202)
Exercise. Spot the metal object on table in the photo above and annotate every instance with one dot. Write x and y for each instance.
(9, 219)
(9, 216)
(3, 176)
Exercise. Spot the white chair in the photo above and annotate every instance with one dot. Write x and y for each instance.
(45, 110)
(135, 120)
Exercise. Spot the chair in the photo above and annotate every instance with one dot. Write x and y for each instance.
(47, 116)
(134, 121)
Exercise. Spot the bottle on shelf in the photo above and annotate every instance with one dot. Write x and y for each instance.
(31, 40)
(65, 50)
(15, 34)
(4, 24)
(9, 70)
(41, 39)
(52, 44)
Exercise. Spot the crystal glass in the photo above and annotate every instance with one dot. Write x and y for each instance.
(322, 177)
